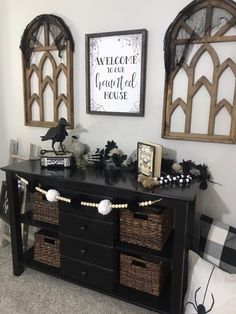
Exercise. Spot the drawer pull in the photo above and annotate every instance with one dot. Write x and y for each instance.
(84, 273)
(83, 251)
(83, 228)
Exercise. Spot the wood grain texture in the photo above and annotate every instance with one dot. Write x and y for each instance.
(204, 45)
(46, 51)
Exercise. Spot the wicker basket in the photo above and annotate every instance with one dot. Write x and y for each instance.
(47, 248)
(142, 275)
(44, 210)
(149, 228)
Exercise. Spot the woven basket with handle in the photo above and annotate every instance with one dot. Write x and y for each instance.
(142, 275)
(47, 248)
(149, 228)
(44, 210)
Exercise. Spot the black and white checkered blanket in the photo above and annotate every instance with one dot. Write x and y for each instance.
(218, 243)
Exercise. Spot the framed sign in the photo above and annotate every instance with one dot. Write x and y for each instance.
(115, 72)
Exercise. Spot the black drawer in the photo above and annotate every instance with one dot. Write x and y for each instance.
(92, 212)
(86, 273)
(87, 251)
(85, 228)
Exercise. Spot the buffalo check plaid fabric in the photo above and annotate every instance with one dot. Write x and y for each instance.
(218, 243)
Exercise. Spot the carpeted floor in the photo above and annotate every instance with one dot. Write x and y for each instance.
(37, 293)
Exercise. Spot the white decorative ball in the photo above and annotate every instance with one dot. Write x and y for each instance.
(104, 207)
(51, 195)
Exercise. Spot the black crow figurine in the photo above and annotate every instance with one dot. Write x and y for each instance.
(57, 134)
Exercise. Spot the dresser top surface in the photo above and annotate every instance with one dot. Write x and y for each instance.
(100, 178)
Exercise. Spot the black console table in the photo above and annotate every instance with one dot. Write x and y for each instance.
(102, 236)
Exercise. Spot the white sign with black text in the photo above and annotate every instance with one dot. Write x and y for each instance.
(115, 73)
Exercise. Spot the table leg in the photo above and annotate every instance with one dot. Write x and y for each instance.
(15, 224)
(181, 218)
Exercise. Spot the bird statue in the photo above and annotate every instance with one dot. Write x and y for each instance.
(73, 144)
(57, 134)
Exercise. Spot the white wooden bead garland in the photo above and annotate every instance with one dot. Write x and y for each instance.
(54, 198)
(125, 205)
(104, 207)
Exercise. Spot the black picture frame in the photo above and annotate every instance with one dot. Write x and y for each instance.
(146, 157)
(4, 208)
(116, 72)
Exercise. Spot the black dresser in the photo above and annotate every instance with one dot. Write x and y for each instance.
(90, 245)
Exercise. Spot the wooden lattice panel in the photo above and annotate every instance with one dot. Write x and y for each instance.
(184, 34)
(47, 55)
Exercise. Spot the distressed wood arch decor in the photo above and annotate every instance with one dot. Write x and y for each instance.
(47, 58)
(204, 26)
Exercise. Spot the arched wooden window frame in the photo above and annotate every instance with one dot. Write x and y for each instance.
(61, 43)
(173, 67)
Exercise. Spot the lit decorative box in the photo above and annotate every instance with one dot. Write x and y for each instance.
(50, 159)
